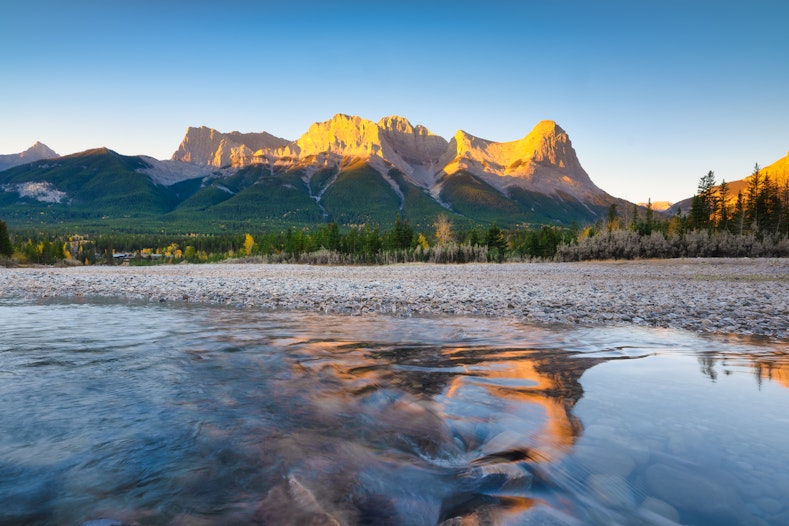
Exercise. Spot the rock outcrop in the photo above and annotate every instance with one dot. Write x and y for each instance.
(206, 146)
(543, 161)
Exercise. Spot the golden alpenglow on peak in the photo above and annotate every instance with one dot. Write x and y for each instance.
(396, 123)
(547, 142)
(543, 161)
(344, 135)
(403, 125)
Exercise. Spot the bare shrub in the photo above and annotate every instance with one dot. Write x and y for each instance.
(624, 244)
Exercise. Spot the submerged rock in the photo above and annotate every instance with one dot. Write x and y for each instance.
(105, 522)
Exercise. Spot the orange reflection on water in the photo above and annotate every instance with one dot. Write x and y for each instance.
(550, 383)
(773, 371)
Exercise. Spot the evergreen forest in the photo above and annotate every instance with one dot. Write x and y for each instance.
(754, 222)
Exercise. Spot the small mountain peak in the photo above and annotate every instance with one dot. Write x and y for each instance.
(465, 142)
(547, 127)
(207, 146)
(342, 118)
(396, 123)
(93, 151)
(342, 134)
(38, 151)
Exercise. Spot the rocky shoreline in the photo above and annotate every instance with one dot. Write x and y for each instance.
(736, 296)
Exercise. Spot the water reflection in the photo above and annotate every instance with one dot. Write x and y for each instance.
(423, 434)
(769, 367)
(161, 415)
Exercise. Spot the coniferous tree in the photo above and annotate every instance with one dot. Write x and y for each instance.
(783, 215)
(613, 218)
(770, 202)
(649, 219)
(333, 236)
(6, 249)
(739, 211)
(753, 190)
(497, 244)
(703, 206)
(634, 220)
(723, 207)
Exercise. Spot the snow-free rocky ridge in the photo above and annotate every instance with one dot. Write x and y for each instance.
(349, 170)
(544, 161)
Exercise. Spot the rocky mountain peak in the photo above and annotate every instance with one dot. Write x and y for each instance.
(395, 123)
(38, 151)
(344, 135)
(207, 146)
(413, 145)
(549, 143)
(542, 161)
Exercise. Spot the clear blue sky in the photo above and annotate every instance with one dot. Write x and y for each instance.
(652, 93)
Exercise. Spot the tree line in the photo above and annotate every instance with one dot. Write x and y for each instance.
(762, 209)
(323, 244)
(752, 223)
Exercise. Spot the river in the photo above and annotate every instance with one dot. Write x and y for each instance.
(160, 414)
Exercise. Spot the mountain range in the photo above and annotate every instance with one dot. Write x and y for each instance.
(347, 169)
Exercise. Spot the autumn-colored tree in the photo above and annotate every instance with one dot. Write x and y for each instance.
(443, 229)
(249, 244)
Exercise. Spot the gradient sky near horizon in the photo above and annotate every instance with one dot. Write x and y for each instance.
(653, 94)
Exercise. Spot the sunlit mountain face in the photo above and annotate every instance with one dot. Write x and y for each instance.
(348, 169)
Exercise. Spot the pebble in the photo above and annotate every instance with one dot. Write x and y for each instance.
(612, 490)
(685, 489)
(608, 461)
(660, 508)
(740, 296)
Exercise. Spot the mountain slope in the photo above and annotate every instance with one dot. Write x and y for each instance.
(535, 179)
(93, 184)
(543, 161)
(35, 153)
(346, 169)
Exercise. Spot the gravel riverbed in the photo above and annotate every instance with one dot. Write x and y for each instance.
(738, 296)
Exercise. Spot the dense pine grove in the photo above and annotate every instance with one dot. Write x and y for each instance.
(753, 223)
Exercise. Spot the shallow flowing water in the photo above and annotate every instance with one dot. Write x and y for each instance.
(160, 414)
